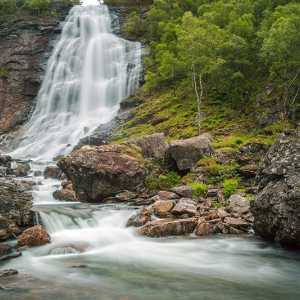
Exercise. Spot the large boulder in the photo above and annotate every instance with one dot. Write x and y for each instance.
(276, 209)
(186, 153)
(15, 207)
(34, 236)
(97, 172)
(153, 146)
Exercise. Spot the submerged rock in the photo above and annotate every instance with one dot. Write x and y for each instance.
(34, 236)
(97, 172)
(8, 273)
(276, 209)
(186, 153)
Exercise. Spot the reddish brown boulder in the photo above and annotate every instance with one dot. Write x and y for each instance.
(98, 172)
(34, 236)
(203, 228)
(162, 208)
(167, 227)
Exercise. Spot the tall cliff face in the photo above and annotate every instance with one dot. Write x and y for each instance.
(25, 43)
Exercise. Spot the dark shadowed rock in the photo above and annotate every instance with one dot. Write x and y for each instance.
(140, 218)
(8, 273)
(186, 153)
(276, 209)
(97, 172)
(8, 252)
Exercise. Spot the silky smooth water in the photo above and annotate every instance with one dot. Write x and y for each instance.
(90, 71)
(92, 255)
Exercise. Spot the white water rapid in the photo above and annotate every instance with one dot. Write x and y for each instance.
(92, 255)
(90, 71)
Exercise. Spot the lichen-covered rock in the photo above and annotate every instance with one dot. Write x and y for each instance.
(186, 153)
(153, 146)
(97, 172)
(15, 207)
(276, 209)
(168, 227)
(34, 236)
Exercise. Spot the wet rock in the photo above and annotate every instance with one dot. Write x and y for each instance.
(276, 209)
(8, 273)
(237, 223)
(162, 208)
(37, 173)
(185, 206)
(186, 153)
(153, 146)
(184, 191)
(8, 252)
(52, 172)
(203, 228)
(140, 218)
(5, 161)
(21, 169)
(65, 195)
(15, 207)
(34, 236)
(97, 172)
(168, 227)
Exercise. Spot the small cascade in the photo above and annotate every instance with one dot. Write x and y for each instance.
(90, 71)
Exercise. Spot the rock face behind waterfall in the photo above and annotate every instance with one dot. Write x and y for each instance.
(25, 44)
(277, 207)
(101, 171)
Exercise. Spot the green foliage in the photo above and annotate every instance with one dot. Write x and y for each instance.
(163, 181)
(8, 7)
(230, 186)
(3, 72)
(134, 25)
(199, 189)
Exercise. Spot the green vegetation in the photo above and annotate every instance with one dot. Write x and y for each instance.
(199, 189)
(230, 186)
(34, 7)
(3, 72)
(163, 181)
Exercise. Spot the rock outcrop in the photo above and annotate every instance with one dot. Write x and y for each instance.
(186, 153)
(25, 43)
(97, 172)
(276, 209)
(15, 207)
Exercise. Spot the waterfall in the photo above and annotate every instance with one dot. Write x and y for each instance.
(88, 74)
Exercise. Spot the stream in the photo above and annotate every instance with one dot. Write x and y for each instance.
(92, 254)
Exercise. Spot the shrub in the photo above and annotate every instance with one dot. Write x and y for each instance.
(163, 181)
(230, 186)
(199, 189)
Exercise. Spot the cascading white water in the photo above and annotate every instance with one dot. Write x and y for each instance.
(90, 71)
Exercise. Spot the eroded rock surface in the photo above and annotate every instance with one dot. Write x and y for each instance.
(276, 209)
(34, 236)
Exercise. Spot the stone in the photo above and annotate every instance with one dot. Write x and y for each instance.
(184, 191)
(34, 236)
(276, 209)
(203, 228)
(168, 227)
(186, 153)
(185, 206)
(237, 223)
(140, 218)
(52, 172)
(238, 205)
(153, 146)
(5, 161)
(20, 169)
(15, 207)
(165, 195)
(248, 170)
(8, 273)
(65, 195)
(126, 196)
(97, 172)
(212, 193)
(8, 252)
(162, 208)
